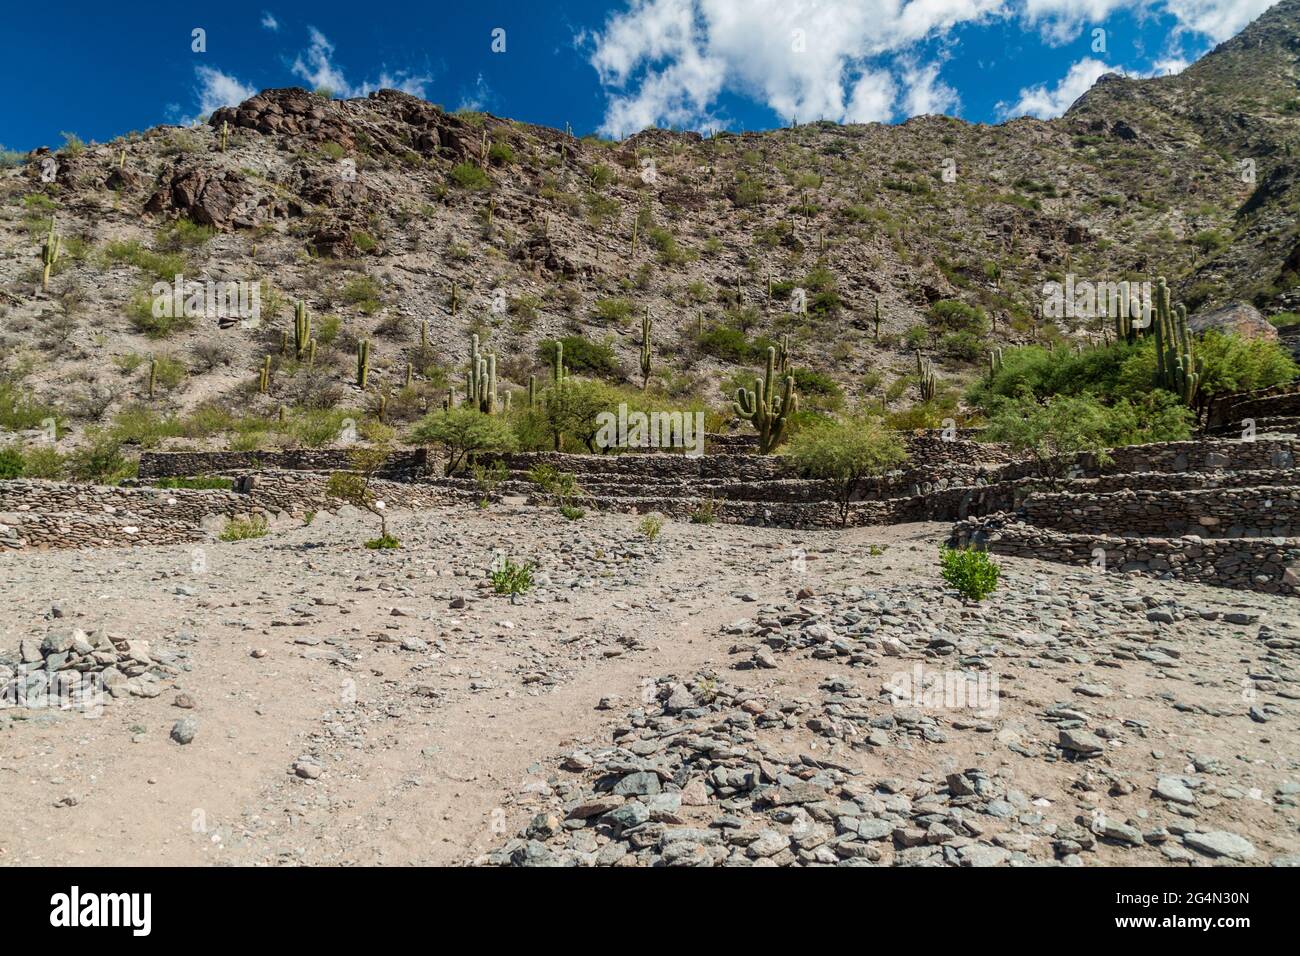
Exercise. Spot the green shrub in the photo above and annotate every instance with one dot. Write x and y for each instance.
(950, 315)
(241, 529)
(471, 177)
(618, 311)
(101, 461)
(511, 578)
(650, 527)
(11, 463)
(1067, 425)
(572, 512)
(584, 356)
(44, 461)
(970, 572)
(706, 512)
(383, 542)
(203, 482)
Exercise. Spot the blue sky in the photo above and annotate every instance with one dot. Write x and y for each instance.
(605, 66)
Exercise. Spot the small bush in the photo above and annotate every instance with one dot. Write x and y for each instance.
(11, 463)
(706, 512)
(511, 578)
(572, 512)
(970, 572)
(468, 176)
(241, 529)
(221, 484)
(383, 542)
(650, 527)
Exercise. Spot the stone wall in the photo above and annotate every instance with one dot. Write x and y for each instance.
(1211, 513)
(174, 464)
(49, 514)
(1260, 564)
(1207, 454)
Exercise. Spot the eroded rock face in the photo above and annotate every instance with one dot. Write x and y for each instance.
(221, 199)
(388, 121)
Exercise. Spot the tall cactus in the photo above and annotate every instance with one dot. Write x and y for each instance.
(768, 411)
(481, 379)
(645, 349)
(877, 316)
(1175, 360)
(264, 378)
(153, 375)
(559, 374)
(532, 390)
(783, 356)
(301, 329)
(925, 378)
(50, 254)
(363, 363)
(995, 361)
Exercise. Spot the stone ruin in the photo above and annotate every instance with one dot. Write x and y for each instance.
(1216, 510)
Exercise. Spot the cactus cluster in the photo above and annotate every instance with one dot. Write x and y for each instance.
(925, 377)
(363, 363)
(301, 330)
(995, 361)
(1175, 360)
(783, 356)
(646, 325)
(768, 411)
(50, 255)
(481, 379)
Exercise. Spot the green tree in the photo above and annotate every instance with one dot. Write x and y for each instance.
(846, 453)
(463, 433)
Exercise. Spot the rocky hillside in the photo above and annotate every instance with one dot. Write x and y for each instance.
(411, 227)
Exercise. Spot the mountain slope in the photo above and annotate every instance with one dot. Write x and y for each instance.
(386, 212)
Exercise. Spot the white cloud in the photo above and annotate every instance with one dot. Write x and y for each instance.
(926, 93)
(667, 62)
(316, 65)
(269, 22)
(1048, 103)
(476, 99)
(1169, 66)
(217, 89)
(1217, 19)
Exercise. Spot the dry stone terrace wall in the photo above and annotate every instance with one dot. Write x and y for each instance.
(46, 514)
(1259, 564)
(155, 465)
(1211, 513)
(1208, 454)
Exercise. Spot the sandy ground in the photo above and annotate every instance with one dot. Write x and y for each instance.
(437, 751)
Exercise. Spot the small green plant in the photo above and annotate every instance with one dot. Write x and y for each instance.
(471, 177)
(511, 578)
(241, 529)
(572, 512)
(970, 572)
(706, 512)
(221, 484)
(383, 542)
(650, 527)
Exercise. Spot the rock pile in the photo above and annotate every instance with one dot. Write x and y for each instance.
(74, 669)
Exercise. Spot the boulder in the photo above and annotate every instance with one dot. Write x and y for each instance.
(1240, 317)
